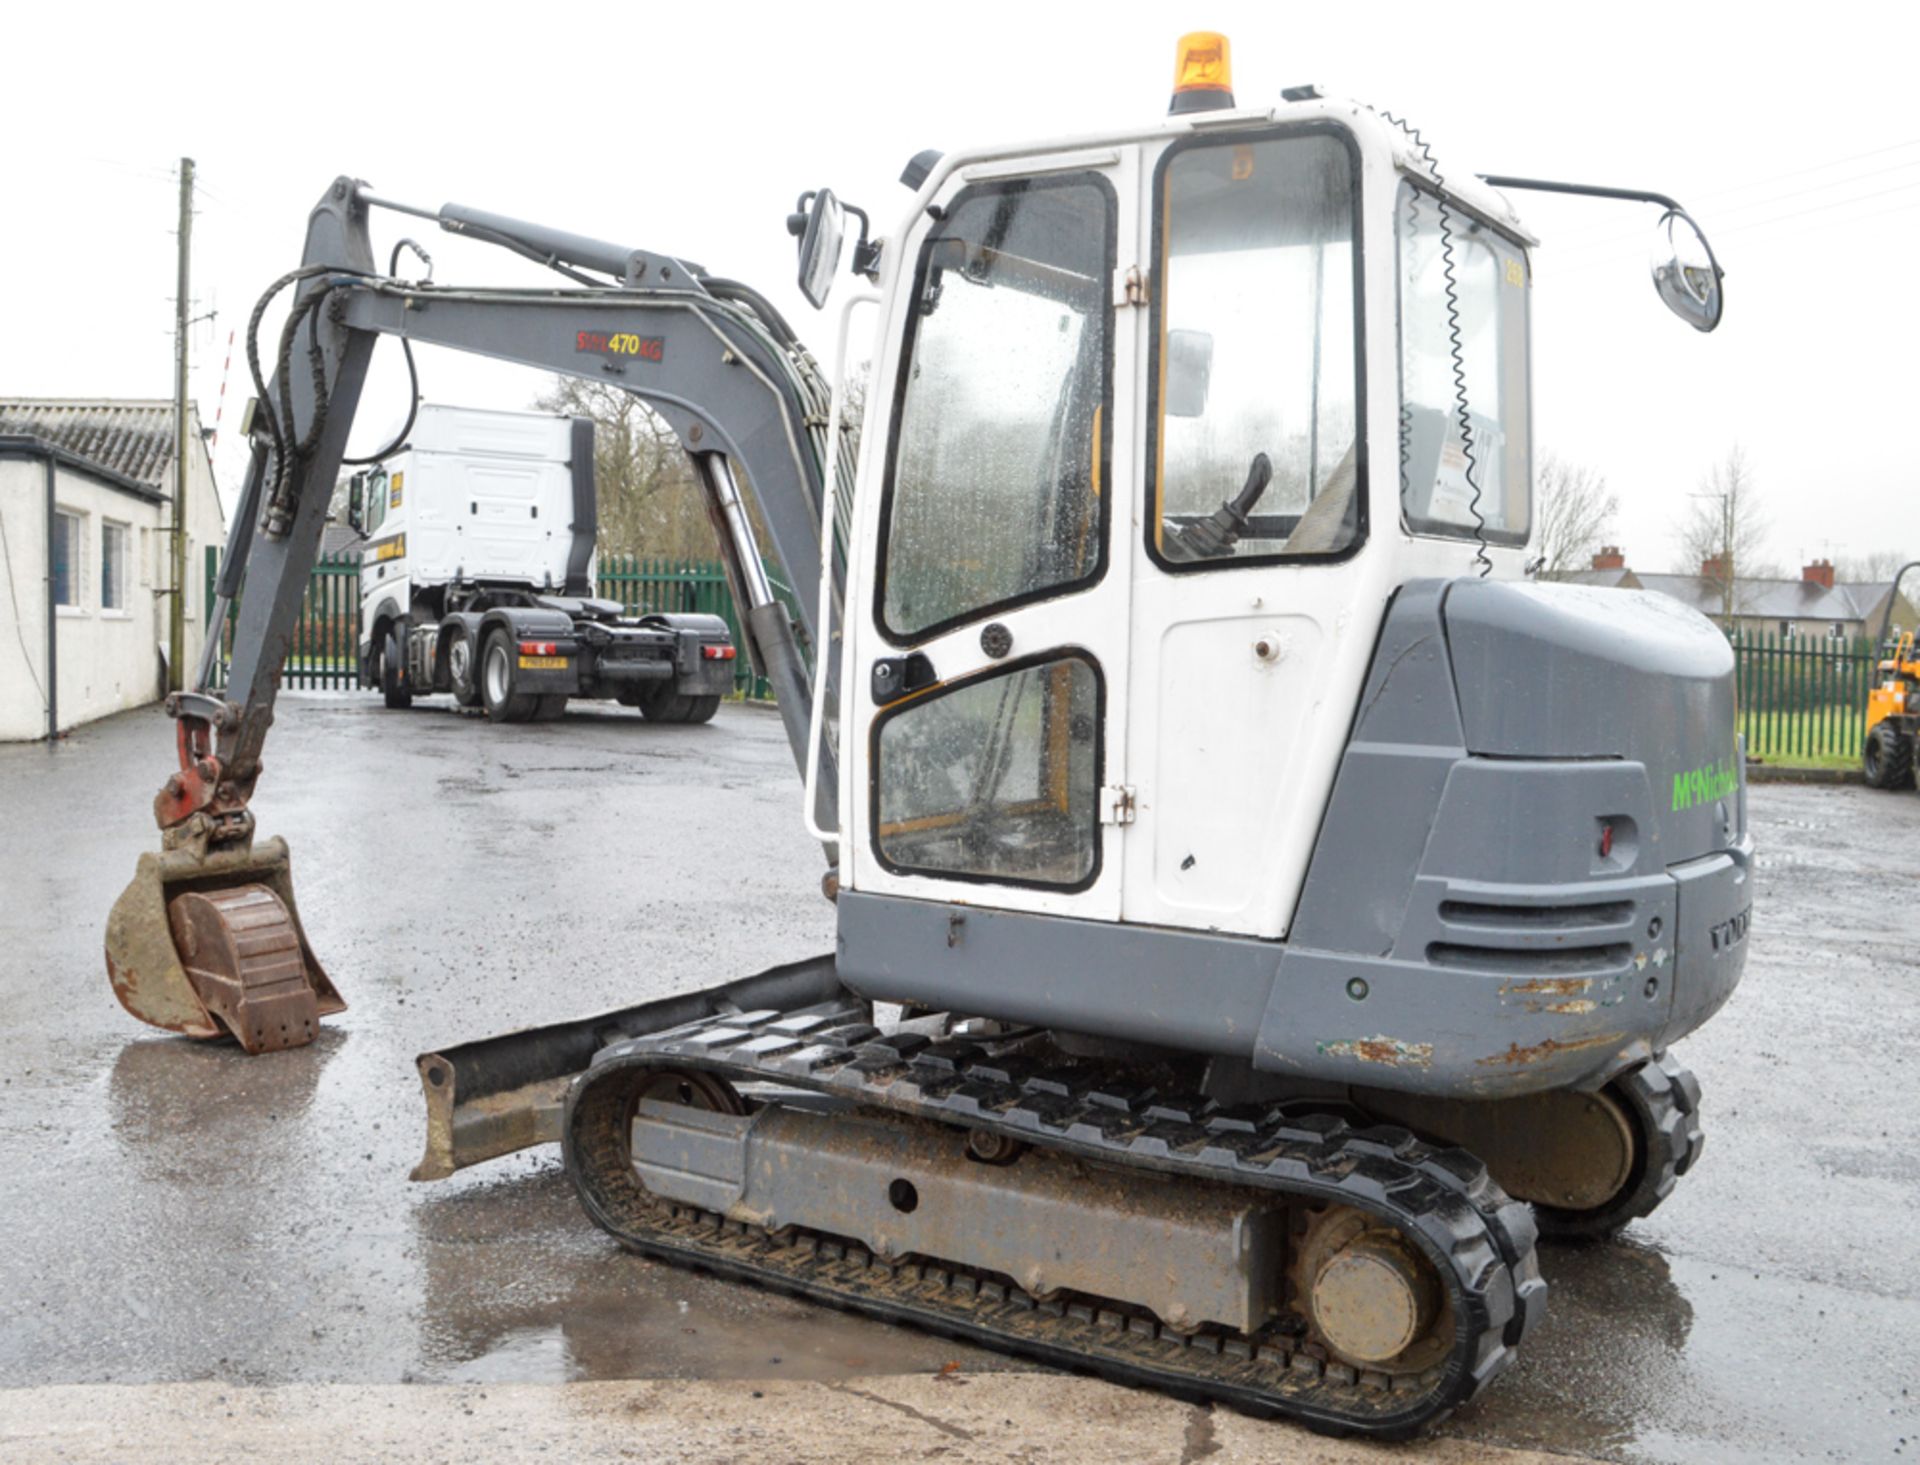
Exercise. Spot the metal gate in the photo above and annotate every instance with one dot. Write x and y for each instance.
(325, 636)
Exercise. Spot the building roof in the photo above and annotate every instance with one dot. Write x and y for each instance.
(1617, 579)
(25, 445)
(1783, 600)
(131, 437)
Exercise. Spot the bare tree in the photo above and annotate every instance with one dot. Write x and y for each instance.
(1574, 509)
(1876, 567)
(1723, 528)
(650, 502)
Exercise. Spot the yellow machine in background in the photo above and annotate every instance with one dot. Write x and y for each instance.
(1893, 702)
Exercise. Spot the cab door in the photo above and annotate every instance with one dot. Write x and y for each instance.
(989, 661)
(1253, 612)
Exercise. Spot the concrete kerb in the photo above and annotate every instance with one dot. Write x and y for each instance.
(1787, 773)
(1036, 1418)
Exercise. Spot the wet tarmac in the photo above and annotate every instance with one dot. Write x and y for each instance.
(175, 1211)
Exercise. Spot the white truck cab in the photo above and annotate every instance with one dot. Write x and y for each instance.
(477, 578)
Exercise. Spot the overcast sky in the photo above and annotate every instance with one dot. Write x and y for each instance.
(691, 130)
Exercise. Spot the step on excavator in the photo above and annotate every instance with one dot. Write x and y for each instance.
(1262, 909)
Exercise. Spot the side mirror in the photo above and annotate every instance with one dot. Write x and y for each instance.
(357, 502)
(1685, 273)
(820, 246)
(1189, 372)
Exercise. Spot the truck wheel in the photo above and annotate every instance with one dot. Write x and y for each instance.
(393, 686)
(701, 709)
(662, 705)
(1887, 759)
(463, 665)
(503, 704)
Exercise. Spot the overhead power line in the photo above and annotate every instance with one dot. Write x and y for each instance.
(1819, 217)
(1838, 162)
(1582, 245)
(1588, 238)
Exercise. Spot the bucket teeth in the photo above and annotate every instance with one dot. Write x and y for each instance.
(211, 945)
(242, 956)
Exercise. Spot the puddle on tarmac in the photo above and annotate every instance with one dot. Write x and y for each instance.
(751, 1337)
(519, 1289)
(527, 1355)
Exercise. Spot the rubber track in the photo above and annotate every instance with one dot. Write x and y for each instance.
(1480, 1241)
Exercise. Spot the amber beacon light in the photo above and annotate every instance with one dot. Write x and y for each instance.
(1202, 73)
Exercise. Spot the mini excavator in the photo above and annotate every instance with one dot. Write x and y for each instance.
(1263, 909)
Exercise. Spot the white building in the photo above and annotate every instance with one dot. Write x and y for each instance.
(98, 572)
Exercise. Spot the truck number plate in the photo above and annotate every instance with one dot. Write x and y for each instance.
(543, 663)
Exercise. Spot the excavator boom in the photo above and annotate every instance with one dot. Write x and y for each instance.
(708, 355)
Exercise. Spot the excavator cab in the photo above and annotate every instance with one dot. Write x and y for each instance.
(1148, 478)
(1261, 908)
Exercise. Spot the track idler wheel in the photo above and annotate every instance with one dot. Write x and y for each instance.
(212, 947)
(1588, 1162)
(1368, 1295)
(1658, 1106)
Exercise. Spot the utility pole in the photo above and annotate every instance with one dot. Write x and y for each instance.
(177, 626)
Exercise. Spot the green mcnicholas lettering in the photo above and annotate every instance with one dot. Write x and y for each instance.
(1705, 785)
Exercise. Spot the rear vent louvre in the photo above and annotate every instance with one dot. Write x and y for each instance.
(1536, 917)
(1560, 961)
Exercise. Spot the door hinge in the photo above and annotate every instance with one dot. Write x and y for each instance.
(1133, 290)
(1116, 803)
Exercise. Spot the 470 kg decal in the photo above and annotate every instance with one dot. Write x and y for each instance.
(620, 343)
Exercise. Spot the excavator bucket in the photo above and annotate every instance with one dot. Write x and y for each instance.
(211, 946)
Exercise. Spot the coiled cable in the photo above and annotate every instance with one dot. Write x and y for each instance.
(1456, 348)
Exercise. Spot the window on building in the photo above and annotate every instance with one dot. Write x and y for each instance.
(69, 539)
(1786, 628)
(1837, 631)
(113, 566)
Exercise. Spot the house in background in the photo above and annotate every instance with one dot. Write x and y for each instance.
(1814, 605)
(98, 573)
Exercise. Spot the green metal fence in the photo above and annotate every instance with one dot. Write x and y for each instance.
(1803, 698)
(326, 635)
(325, 639)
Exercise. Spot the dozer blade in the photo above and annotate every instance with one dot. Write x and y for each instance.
(492, 1097)
(212, 947)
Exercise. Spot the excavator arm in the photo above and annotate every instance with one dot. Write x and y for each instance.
(207, 939)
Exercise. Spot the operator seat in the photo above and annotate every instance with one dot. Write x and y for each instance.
(1324, 528)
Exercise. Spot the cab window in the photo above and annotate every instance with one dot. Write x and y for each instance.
(375, 502)
(996, 493)
(1256, 372)
(995, 777)
(1439, 495)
